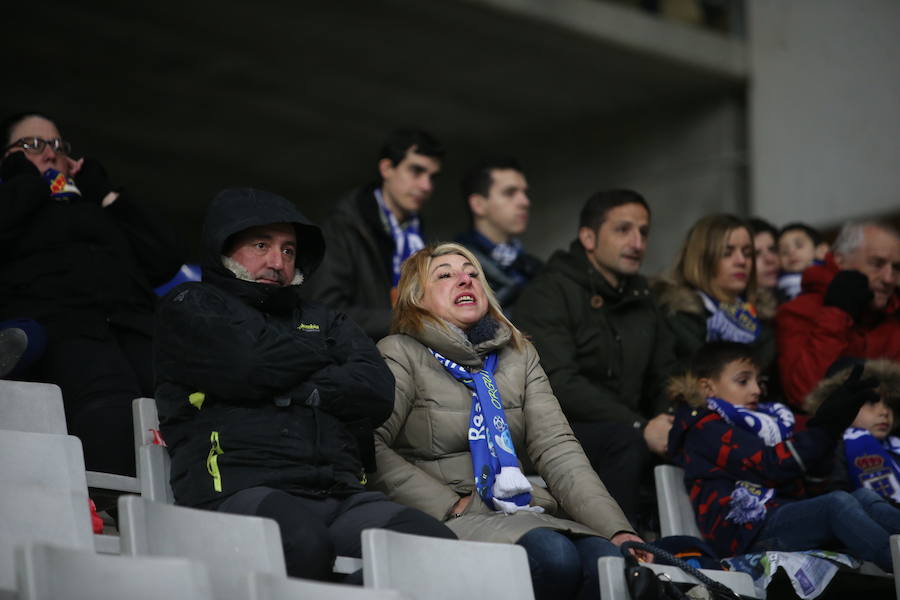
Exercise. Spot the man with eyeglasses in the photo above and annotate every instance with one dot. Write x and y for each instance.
(81, 257)
(374, 229)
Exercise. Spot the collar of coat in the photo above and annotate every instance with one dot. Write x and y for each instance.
(575, 265)
(676, 297)
(451, 342)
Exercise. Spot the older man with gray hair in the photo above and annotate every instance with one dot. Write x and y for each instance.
(848, 308)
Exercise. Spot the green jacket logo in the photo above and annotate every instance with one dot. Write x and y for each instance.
(308, 327)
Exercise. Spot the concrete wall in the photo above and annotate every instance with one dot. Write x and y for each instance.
(687, 160)
(824, 109)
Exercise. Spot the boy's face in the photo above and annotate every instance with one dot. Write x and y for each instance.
(797, 250)
(877, 417)
(736, 384)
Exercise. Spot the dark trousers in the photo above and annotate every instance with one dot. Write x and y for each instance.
(620, 456)
(99, 379)
(316, 530)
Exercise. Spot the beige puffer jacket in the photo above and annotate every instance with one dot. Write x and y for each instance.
(423, 451)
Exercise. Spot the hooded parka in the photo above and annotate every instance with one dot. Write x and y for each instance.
(256, 387)
(423, 453)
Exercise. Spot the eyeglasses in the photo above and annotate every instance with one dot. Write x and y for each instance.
(35, 145)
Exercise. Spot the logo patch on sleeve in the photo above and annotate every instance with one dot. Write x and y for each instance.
(307, 327)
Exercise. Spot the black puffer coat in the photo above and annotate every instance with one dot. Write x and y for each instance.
(256, 387)
(76, 266)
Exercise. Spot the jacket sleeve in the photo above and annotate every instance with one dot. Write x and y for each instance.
(401, 480)
(662, 366)
(721, 447)
(359, 383)
(153, 242)
(222, 347)
(20, 198)
(810, 337)
(335, 279)
(541, 313)
(560, 460)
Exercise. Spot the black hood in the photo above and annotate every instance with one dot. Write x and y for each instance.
(233, 211)
(236, 209)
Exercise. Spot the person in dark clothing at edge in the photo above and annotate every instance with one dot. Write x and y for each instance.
(603, 342)
(374, 229)
(496, 194)
(79, 259)
(267, 402)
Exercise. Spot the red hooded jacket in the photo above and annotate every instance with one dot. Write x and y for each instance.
(811, 336)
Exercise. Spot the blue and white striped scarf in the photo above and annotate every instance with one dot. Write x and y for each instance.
(407, 238)
(498, 480)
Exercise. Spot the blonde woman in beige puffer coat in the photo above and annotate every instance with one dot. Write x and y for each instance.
(423, 450)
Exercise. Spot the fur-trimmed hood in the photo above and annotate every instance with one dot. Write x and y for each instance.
(685, 389)
(887, 372)
(676, 297)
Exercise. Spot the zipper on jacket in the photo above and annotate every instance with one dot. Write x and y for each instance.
(212, 461)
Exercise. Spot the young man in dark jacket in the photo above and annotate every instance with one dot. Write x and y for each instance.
(496, 194)
(374, 229)
(267, 402)
(603, 343)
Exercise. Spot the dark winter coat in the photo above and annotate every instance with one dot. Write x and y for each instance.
(256, 387)
(75, 266)
(356, 274)
(506, 282)
(606, 350)
(716, 455)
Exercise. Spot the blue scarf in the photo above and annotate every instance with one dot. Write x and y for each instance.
(773, 423)
(407, 238)
(498, 480)
(62, 188)
(872, 463)
(730, 322)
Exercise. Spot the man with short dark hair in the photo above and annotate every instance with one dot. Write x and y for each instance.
(496, 195)
(267, 402)
(848, 308)
(374, 229)
(603, 343)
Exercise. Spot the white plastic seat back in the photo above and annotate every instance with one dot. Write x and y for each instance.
(613, 586)
(35, 407)
(49, 572)
(43, 495)
(442, 569)
(676, 515)
(229, 545)
(38, 408)
(263, 586)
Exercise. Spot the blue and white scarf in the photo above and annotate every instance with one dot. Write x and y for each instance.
(498, 480)
(773, 423)
(872, 463)
(503, 254)
(407, 238)
(735, 322)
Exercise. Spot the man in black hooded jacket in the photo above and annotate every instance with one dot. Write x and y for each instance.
(267, 402)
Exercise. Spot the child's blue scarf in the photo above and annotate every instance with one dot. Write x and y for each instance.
(773, 423)
(498, 480)
(872, 463)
